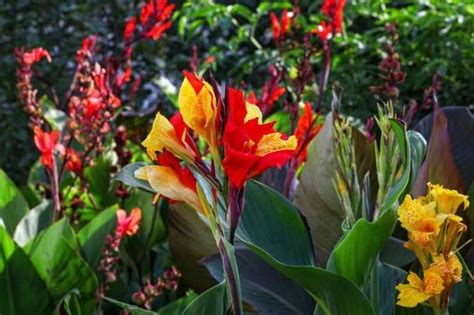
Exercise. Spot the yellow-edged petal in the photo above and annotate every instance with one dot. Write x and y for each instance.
(163, 136)
(447, 200)
(199, 110)
(253, 111)
(165, 181)
(273, 142)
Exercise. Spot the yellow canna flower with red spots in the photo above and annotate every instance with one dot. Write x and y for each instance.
(419, 290)
(199, 108)
(434, 231)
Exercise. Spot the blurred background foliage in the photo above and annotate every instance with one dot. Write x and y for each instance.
(233, 39)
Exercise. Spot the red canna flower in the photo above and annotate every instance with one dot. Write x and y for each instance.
(130, 25)
(334, 9)
(128, 225)
(29, 58)
(324, 31)
(280, 27)
(271, 92)
(46, 143)
(87, 48)
(73, 161)
(303, 132)
(154, 18)
(251, 146)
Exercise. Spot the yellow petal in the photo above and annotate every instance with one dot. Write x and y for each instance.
(409, 296)
(165, 181)
(273, 142)
(433, 281)
(199, 110)
(163, 136)
(447, 200)
(413, 210)
(253, 111)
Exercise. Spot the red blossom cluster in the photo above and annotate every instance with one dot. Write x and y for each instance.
(280, 27)
(127, 226)
(334, 11)
(306, 129)
(150, 291)
(390, 67)
(271, 91)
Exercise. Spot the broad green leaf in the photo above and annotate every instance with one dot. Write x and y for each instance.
(177, 307)
(354, 256)
(127, 176)
(388, 278)
(274, 230)
(315, 195)
(12, 204)
(55, 254)
(134, 310)
(21, 287)
(417, 151)
(267, 290)
(92, 236)
(212, 301)
(271, 220)
(394, 253)
(190, 240)
(100, 186)
(33, 222)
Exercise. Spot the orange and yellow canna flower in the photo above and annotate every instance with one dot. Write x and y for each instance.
(128, 225)
(171, 180)
(199, 108)
(420, 290)
(171, 135)
(251, 146)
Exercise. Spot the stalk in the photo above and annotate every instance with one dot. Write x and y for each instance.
(323, 79)
(54, 181)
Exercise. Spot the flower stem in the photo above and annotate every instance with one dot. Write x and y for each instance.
(55, 191)
(324, 75)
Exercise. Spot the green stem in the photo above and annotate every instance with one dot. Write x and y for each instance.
(374, 287)
(439, 311)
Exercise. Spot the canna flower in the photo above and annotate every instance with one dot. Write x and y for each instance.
(418, 290)
(334, 9)
(29, 58)
(282, 26)
(434, 231)
(128, 225)
(73, 162)
(324, 31)
(198, 106)
(154, 18)
(46, 143)
(130, 25)
(250, 146)
(271, 92)
(171, 180)
(447, 200)
(171, 135)
(305, 131)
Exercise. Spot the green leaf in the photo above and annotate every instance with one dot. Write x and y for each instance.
(99, 179)
(267, 217)
(56, 118)
(388, 278)
(274, 230)
(21, 287)
(12, 204)
(134, 310)
(355, 254)
(417, 150)
(394, 253)
(127, 176)
(55, 254)
(212, 301)
(178, 306)
(315, 195)
(33, 222)
(92, 236)
(190, 240)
